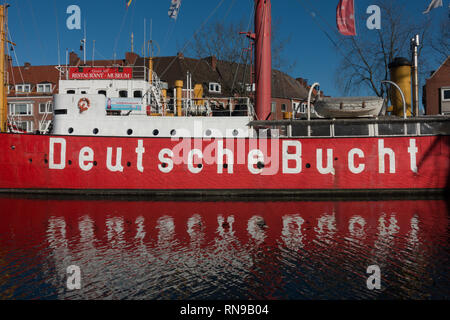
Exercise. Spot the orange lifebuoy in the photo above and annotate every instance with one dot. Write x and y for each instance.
(84, 104)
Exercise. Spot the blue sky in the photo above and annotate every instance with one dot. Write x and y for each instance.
(36, 26)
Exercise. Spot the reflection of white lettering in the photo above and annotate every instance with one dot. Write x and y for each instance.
(85, 159)
(62, 164)
(357, 231)
(412, 152)
(382, 152)
(140, 150)
(329, 168)
(166, 163)
(296, 156)
(351, 161)
(221, 152)
(118, 165)
(256, 228)
(292, 232)
(195, 229)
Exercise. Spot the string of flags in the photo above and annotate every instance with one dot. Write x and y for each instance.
(174, 9)
(128, 3)
(433, 5)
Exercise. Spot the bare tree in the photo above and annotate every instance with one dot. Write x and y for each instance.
(223, 40)
(441, 43)
(366, 57)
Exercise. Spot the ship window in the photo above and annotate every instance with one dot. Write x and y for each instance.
(45, 107)
(61, 111)
(83, 92)
(70, 91)
(23, 109)
(26, 126)
(103, 92)
(137, 94)
(445, 94)
(123, 94)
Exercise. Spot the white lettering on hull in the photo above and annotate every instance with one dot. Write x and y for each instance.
(292, 158)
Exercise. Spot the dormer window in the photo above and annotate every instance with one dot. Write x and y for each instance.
(23, 88)
(215, 87)
(44, 88)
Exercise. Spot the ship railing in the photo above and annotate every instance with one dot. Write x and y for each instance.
(357, 127)
(206, 107)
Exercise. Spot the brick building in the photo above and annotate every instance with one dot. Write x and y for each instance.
(436, 93)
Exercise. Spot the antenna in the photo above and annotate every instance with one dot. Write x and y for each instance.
(145, 37)
(132, 42)
(84, 42)
(93, 53)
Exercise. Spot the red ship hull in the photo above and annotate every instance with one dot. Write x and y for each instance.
(133, 165)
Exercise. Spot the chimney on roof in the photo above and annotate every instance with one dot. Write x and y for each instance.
(212, 61)
(131, 58)
(180, 55)
(74, 60)
(27, 65)
(303, 82)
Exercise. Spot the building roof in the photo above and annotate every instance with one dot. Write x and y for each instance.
(233, 77)
(444, 66)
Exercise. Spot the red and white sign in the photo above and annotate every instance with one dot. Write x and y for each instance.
(89, 73)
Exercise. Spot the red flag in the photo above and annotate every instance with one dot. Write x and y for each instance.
(345, 17)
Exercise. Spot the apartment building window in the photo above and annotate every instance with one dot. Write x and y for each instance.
(44, 88)
(23, 88)
(215, 87)
(283, 108)
(25, 125)
(21, 109)
(45, 107)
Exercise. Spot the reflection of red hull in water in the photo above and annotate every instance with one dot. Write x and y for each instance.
(34, 162)
(264, 222)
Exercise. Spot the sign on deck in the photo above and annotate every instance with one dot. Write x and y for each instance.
(90, 73)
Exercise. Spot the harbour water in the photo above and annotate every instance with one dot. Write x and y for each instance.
(171, 250)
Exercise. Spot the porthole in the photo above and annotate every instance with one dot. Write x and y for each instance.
(208, 133)
(308, 166)
(95, 131)
(70, 162)
(173, 132)
(155, 132)
(260, 165)
(70, 130)
(95, 163)
(129, 132)
(235, 132)
(199, 166)
(225, 166)
(128, 164)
